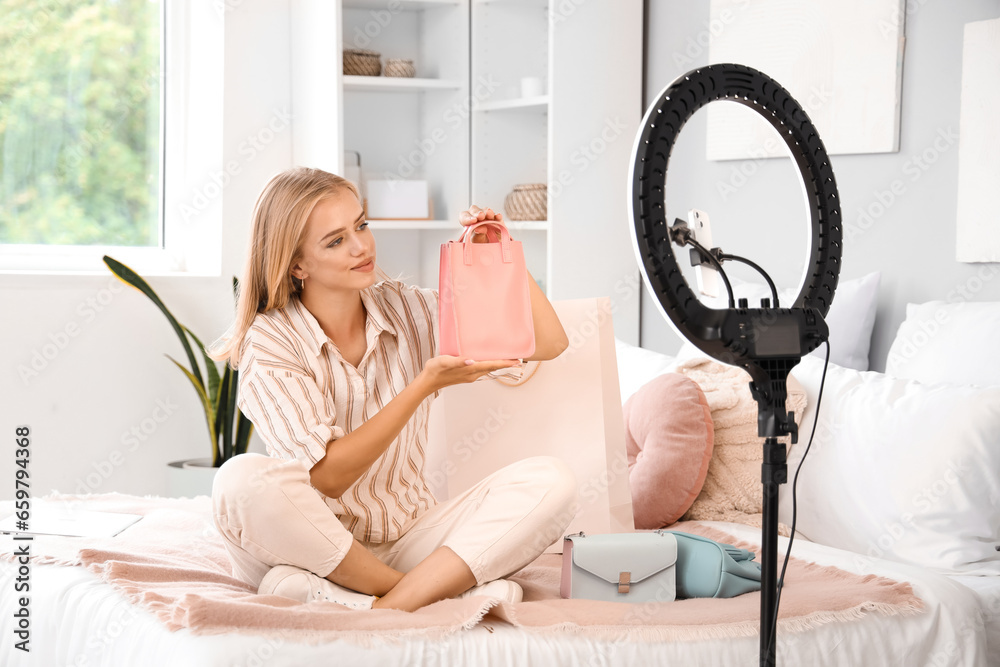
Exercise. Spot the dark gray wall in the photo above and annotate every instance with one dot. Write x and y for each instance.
(908, 236)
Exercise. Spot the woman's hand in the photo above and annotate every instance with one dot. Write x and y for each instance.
(476, 215)
(444, 371)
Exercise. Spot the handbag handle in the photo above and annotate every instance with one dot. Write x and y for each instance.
(499, 231)
(493, 228)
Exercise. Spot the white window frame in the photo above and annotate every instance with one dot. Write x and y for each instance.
(191, 176)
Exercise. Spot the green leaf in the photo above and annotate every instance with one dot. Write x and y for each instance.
(210, 368)
(130, 277)
(244, 427)
(220, 409)
(206, 403)
(243, 431)
(230, 418)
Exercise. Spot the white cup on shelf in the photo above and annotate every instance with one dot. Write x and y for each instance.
(532, 86)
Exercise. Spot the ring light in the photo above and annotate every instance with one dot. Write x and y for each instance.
(766, 341)
(729, 335)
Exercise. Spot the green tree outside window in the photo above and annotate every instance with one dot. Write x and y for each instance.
(80, 122)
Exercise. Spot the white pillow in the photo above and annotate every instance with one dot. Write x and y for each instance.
(637, 366)
(948, 342)
(851, 317)
(900, 470)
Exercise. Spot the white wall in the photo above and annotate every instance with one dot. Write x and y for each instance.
(909, 237)
(111, 376)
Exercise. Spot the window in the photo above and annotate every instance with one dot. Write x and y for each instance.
(99, 138)
(80, 123)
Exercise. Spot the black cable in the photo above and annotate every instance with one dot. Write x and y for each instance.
(718, 267)
(770, 283)
(795, 481)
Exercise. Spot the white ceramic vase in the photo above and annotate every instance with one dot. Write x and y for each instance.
(190, 478)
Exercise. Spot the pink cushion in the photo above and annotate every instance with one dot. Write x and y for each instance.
(669, 437)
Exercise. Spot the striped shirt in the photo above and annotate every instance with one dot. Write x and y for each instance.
(300, 393)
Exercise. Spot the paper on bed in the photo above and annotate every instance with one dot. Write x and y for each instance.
(569, 407)
(69, 520)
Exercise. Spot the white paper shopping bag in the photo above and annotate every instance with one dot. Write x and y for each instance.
(569, 408)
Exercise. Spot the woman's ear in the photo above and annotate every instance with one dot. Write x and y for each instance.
(297, 271)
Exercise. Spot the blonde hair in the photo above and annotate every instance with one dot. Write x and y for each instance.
(279, 221)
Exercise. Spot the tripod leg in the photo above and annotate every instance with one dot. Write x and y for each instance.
(773, 472)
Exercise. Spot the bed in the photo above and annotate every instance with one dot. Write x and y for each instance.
(80, 620)
(946, 556)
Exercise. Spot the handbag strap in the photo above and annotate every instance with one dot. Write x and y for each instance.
(523, 380)
(498, 229)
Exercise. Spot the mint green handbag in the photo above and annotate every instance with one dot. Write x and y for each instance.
(709, 569)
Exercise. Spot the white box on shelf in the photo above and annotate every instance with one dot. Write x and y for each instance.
(397, 199)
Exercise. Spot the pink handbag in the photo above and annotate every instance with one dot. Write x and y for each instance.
(485, 303)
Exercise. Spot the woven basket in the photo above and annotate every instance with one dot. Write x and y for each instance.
(361, 62)
(399, 67)
(526, 202)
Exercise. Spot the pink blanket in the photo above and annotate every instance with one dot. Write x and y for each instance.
(173, 563)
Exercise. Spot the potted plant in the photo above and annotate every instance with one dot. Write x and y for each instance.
(228, 428)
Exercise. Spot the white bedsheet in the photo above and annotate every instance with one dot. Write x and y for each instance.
(987, 589)
(79, 621)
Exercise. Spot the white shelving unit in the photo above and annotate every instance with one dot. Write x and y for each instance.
(398, 85)
(404, 4)
(539, 103)
(576, 137)
(403, 128)
(462, 125)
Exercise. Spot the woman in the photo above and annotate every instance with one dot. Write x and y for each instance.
(338, 366)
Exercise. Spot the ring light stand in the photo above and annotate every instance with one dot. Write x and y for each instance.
(766, 341)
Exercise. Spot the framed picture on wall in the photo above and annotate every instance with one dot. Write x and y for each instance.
(842, 61)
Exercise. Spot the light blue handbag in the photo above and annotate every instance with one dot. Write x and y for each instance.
(655, 566)
(709, 569)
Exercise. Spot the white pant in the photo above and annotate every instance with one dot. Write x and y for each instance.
(269, 514)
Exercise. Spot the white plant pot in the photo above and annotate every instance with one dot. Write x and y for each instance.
(190, 478)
